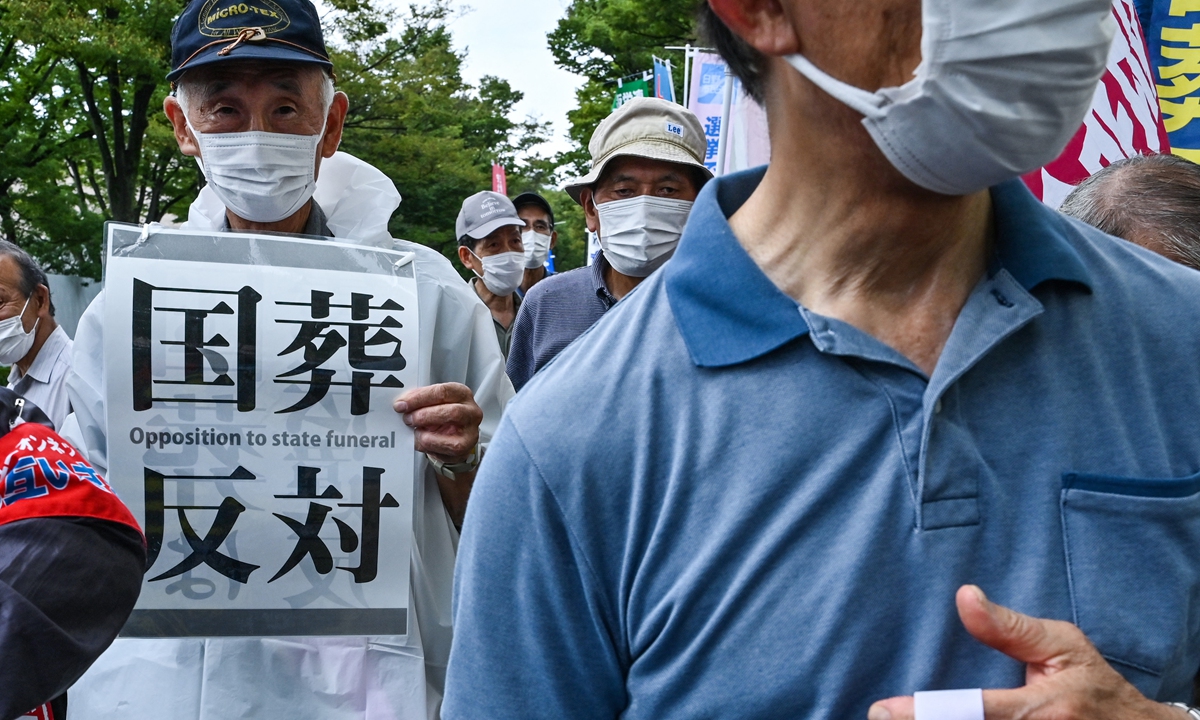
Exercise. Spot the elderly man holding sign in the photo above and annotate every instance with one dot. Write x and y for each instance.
(258, 392)
(877, 380)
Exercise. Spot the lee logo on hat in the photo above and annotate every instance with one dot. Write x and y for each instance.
(675, 129)
(227, 18)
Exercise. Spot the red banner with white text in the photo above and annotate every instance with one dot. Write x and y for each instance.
(1124, 121)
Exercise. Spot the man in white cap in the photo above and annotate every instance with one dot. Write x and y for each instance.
(647, 167)
(489, 244)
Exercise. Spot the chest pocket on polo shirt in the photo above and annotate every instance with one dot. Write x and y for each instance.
(1133, 560)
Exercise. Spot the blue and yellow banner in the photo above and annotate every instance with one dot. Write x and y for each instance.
(1173, 35)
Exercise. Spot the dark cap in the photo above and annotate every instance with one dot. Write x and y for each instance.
(529, 198)
(210, 31)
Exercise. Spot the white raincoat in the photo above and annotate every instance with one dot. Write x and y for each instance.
(351, 678)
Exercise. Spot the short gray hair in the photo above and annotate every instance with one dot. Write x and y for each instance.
(1152, 200)
(32, 274)
(184, 90)
(745, 62)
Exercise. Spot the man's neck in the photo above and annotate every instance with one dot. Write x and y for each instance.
(845, 235)
(532, 277)
(294, 224)
(45, 327)
(620, 284)
(502, 306)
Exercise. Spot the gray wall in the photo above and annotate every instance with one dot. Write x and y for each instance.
(71, 296)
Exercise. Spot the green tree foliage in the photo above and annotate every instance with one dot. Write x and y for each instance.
(83, 138)
(413, 116)
(109, 154)
(605, 40)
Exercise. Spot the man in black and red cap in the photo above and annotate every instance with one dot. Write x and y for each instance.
(71, 560)
(255, 104)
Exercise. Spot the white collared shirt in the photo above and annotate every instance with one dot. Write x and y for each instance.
(45, 383)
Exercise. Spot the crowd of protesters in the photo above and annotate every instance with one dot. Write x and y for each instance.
(869, 432)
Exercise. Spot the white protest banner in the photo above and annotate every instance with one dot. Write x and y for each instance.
(250, 381)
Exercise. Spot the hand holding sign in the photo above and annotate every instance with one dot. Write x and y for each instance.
(1065, 676)
(444, 418)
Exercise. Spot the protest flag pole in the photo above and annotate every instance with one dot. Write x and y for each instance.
(689, 57)
(687, 74)
(723, 142)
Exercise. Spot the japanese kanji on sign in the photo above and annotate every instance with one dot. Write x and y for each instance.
(250, 381)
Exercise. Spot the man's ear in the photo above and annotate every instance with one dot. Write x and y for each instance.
(765, 25)
(335, 122)
(589, 209)
(42, 293)
(183, 137)
(553, 239)
(467, 259)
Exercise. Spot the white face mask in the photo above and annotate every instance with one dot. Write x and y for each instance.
(14, 341)
(638, 235)
(537, 249)
(1001, 89)
(503, 272)
(260, 176)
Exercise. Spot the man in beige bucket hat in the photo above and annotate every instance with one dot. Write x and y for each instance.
(647, 167)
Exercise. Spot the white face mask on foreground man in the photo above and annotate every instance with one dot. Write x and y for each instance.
(999, 91)
(15, 341)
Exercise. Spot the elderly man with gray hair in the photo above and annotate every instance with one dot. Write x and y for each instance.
(1149, 200)
(256, 106)
(31, 342)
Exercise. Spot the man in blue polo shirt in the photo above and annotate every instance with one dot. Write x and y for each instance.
(877, 380)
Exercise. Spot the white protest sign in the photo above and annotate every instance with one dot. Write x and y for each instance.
(250, 381)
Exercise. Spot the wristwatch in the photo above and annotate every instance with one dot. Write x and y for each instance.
(1193, 711)
(451, 471)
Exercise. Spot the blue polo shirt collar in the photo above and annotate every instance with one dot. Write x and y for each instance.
(727, 309)
(729, 312)
(1031, 239)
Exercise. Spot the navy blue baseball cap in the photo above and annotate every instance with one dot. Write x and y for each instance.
(211, 31)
